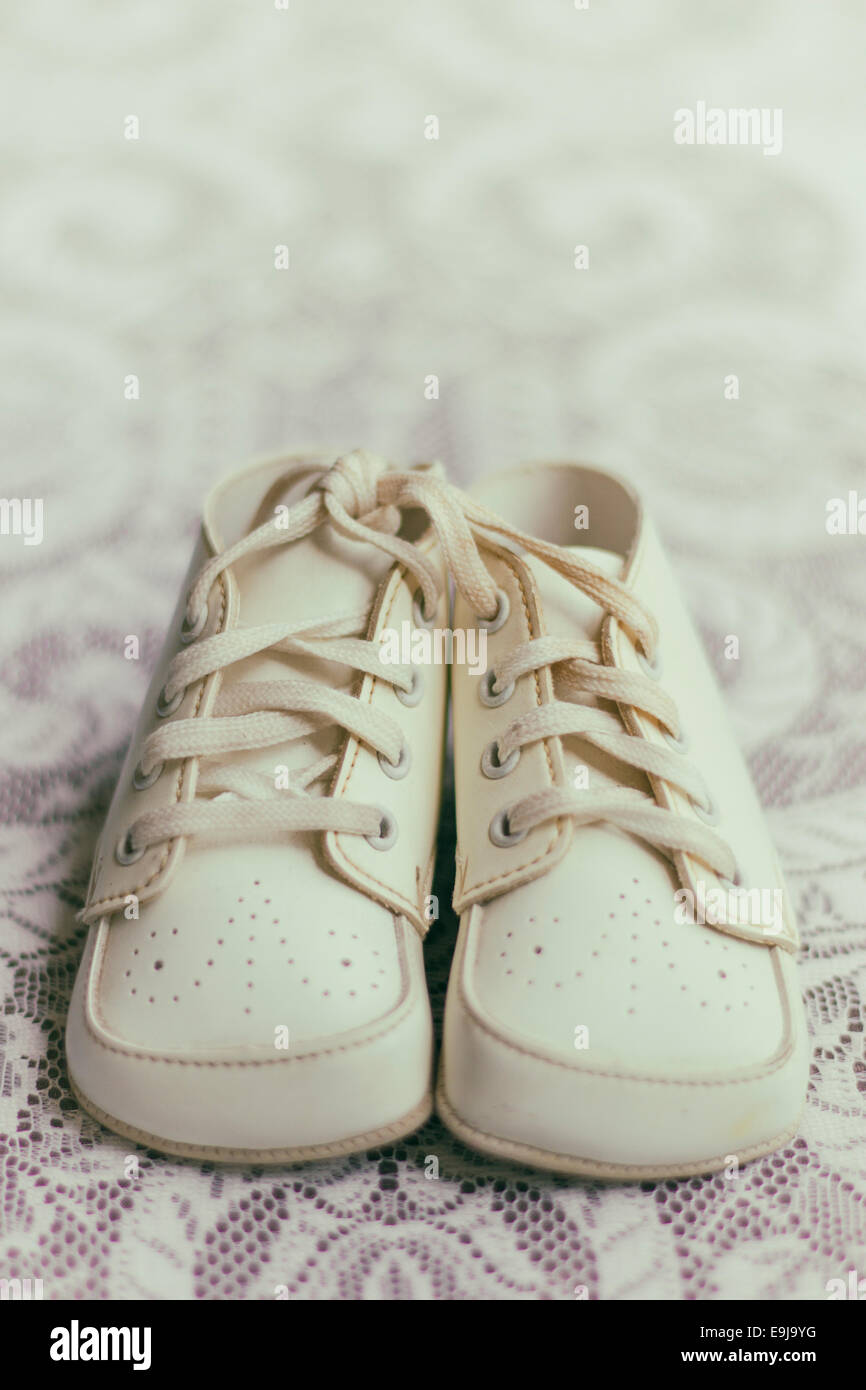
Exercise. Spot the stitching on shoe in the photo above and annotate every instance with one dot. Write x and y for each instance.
(424, 888)
(394, 894)
(181, 776)
(298, 1153)
(673, 1170)
(511, 874)
(677, 802)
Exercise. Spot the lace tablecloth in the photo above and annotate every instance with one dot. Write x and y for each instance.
(150, 343)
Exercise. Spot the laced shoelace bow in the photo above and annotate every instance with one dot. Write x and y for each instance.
(363, 500)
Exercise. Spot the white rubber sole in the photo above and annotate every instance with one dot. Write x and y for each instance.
(304, 1153)
(573, 1166)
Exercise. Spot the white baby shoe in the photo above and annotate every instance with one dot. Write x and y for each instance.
(619, 1006)
(253, 984)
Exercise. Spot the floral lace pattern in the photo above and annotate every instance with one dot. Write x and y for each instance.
(150, 344)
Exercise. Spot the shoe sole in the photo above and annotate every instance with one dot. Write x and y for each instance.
(570, 1164)
(302, 1153)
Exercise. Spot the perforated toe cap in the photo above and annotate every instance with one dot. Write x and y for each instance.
(249, 1011)
(584, 1020)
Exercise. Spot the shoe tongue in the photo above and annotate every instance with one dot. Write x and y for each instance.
(322, 575)
(569, 612)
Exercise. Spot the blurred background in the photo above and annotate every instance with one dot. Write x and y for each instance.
(152, 339)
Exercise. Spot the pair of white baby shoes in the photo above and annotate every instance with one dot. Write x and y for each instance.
(623, 1000)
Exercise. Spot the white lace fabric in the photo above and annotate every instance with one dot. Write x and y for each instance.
(362, 498)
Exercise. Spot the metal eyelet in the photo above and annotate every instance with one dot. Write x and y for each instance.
(401, 767)
(123, 852)
(189, 632)
(490, 764)
(387, 831)
(413, 695)
(500, 833)
(419, 617)
(709, 813)
(503, 608)
(652, 668)
(166, 707)
(488, 696)
(679, 745)
(142, 780)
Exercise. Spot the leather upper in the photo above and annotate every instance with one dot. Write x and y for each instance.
(588, 1029)
(347, 576)
(617, 521)
(261, 997)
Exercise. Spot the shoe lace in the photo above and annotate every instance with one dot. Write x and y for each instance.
(579, 673)
(363, 499)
